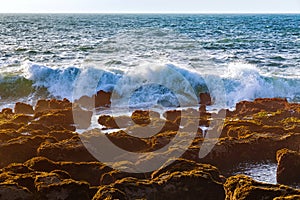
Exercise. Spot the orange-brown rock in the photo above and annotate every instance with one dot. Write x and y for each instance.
(23, 108)
(245, 108)
(242, 187)
(205, 99)
(172, 115)
(143, 117)
(127, 142)
(102, 99)
(21, 149)
(190, 184)
(65, 150)
(53, 104)
(288, 167)
(289, 197)
(90, 172)
(12, 191)
(255, 147)
(7, 111)
(51, 186)
(62, 134)
(114, 122)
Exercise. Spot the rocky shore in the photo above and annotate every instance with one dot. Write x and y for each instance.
(44, 158)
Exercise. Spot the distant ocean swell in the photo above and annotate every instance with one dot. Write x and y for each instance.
(241, 82)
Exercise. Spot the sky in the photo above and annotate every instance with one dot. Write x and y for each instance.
(149, 6)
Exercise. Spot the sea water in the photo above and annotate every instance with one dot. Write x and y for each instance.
(71, 55)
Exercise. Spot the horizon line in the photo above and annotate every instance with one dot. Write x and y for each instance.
(165, 12)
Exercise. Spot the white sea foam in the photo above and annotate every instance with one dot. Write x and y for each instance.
(158, 83)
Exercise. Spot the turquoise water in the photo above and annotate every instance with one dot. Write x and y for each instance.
(55, 55)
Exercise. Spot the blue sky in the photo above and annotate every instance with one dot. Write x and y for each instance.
(150, 6)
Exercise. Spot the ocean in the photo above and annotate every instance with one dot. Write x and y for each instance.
(152, 59)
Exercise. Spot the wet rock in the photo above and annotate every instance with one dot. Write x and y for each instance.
(180, 164)
(245, 108)
(60, 104)
(17, 168)
(10, 125)
(289, 197)
(32, 128)
(90, 172)
(114, 174)
(255, 147)
(242, 187)
(205, 99)
(21, 149)
(41, 164)
(82, 118)
(23, 108)
(288, 167)
(86, 102)
(53, 104)
(143, 117)
(102, 99)
(172, 115)
(62, 134)
(41, 106)
(21, 118)
(51, 186)
(12, 191)
(65, 150)
(7, 111)
(9, 134)
(114, 122)
(127, 142)
(64, 117)
(194, 184)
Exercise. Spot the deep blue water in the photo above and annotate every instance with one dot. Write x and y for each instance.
(47, 55)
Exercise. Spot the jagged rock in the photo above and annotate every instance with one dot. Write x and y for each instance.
(194, 184)
(66, 150)
(41, 106)
(205, 99)
(53, 104)
(102, 99)
(143, 117)
(290, 197)
(254, 147)
(51, 186)
(23, 108)
(41, 164)
(17, 168)
(288, 167)
(21, 118)
(8, 134)
(114, 122)
(90, 172)
(33, 127)
(65, 117)
(241, 187)
(180, 164)
(127, 142)
(7, 111)
(62, 135)
(10, 125)
(172, 115)
(245, 108)
(12, 191)
(21, 149)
